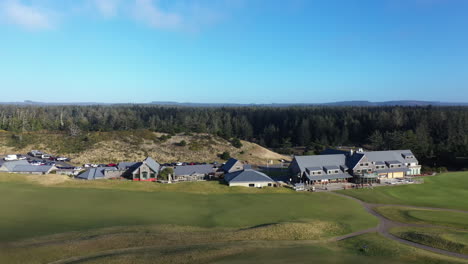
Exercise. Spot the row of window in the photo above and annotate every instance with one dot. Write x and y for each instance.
(329, 172)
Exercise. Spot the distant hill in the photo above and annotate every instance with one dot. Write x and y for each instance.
(342, 103)
(357, 103)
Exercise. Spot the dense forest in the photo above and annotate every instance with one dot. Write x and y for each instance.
(435, 134)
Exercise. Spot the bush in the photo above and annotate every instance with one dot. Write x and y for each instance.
(225, 155)
(182, 143)
(236, 143)
(164, 175)
(442, 169)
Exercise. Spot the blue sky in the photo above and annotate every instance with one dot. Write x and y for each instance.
(233, 51)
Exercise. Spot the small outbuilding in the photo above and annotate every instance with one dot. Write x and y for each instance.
(249, 178)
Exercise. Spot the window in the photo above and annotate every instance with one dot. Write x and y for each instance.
(153, 175)
(144, 175)
(358, 171)
(319, 172)
(369, 169)
(251, 185)
(269, 185)
(336, 171)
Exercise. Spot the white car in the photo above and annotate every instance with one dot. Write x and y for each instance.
(45, 156)
(11, 157)
(179, 164)
(61, 159)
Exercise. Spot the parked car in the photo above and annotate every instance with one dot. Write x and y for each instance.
(11, 157)
(62, 159)
(111, 165)
(179, 164)
(45, 156)
(21, 157)
(35, 153)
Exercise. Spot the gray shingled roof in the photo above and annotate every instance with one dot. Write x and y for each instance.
(128, 165)
(320, 161)
(95, 173)
(390, 155)
(155, 166)
(331, 167)
(194, 169)
(10, 165)
(250, 176)
(229, 164)
(31, 168)
(314, 168)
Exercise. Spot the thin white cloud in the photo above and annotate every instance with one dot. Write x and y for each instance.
(108, 8)
(27, 16)
(149, 12)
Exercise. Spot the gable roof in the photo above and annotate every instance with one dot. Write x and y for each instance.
(229, 164)
(95, 173)
(10, 165)
(390, 155)
(128, 165)
(155, 166)
(247, 176)
(32, 168)
(320, 161)
(194, 169)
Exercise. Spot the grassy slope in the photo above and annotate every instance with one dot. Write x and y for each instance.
(443, 191)
(450, 240)
(32, 210)
(419, 216)
(106, 147)
(379, 250)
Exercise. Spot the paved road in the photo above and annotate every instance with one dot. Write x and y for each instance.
(385, 225)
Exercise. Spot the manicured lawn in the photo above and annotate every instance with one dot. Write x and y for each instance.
(447, 190)
(419, 216)
(30, 210)
(369, 248)
(447, 239)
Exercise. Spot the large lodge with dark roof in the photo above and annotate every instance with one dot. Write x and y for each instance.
(360, 166)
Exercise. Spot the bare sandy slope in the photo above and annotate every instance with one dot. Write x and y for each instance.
(129, 147)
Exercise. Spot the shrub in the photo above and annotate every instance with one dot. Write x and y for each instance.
(164, 175)
(236, 143)
(225, 155)
(182, 143)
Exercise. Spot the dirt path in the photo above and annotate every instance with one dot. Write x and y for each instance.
(385, 225)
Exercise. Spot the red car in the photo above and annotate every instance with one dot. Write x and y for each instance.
(111, 165)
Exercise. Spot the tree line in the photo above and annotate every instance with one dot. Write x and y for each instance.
(431, 132)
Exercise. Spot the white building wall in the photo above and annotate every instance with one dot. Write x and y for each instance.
(246, 184)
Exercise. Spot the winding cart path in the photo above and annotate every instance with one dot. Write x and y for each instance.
(385, 225)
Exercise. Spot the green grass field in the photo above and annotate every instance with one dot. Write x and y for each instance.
(443, 191)
(31, 210)
(447, 239)
(48, 218)
(420, 216)
(377, 250)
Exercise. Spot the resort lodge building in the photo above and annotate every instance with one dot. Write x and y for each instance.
(360, 166)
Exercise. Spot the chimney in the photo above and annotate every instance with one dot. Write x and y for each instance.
(351, 152)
